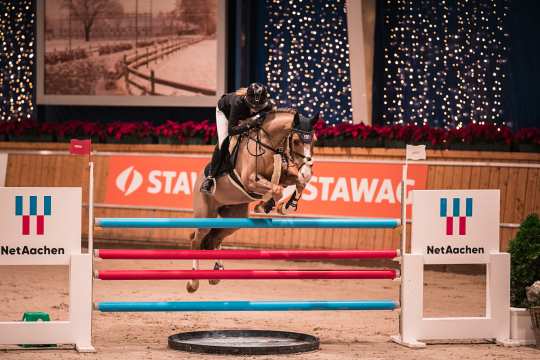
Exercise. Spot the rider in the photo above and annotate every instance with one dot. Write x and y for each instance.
(231, 109)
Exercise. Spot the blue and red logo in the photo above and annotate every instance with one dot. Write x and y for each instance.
(30, 214)
(457, 214)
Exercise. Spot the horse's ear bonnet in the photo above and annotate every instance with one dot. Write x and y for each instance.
(304, 127)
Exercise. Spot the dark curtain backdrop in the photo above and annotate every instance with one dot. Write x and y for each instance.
(513, 48)
(522, 95)
(306, 57)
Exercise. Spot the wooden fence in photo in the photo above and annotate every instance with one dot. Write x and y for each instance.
(147, 83)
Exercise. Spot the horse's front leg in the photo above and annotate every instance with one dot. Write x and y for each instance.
(260, 185)
(290, 203)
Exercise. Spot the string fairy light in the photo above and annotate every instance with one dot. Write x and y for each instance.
(445, 62)
(308, 57)
(16, 59)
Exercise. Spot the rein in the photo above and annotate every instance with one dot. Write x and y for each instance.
(257, 140)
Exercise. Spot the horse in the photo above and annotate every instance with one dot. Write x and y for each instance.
(265, 159)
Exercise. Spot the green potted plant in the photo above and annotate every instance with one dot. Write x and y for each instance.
(533, 297)
(524, 250)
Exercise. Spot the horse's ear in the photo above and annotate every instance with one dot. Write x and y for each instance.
(296, 120)
(314, 119)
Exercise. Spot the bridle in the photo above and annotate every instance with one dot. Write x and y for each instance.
(306, 160)
(287, 156)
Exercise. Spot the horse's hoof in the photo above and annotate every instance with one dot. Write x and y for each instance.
(261, 207)
(192, 286)
(217, 266)
(281, 209)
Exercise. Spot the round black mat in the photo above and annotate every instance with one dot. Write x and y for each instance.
(244, 342)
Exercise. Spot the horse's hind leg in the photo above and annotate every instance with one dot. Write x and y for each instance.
(209, 242)
(204, 207)
(215, 238)
(196, 241)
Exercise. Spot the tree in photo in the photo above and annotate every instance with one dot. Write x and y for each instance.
(200, 14)
(86, 11)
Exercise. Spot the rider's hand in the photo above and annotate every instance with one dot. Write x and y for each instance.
(255, 120)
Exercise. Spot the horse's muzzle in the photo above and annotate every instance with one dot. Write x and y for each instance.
(305, 173)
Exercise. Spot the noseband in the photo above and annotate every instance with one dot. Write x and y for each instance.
(306, 160)
(290, 156)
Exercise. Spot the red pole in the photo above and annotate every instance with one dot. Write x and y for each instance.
(243, 274)
(244, 254)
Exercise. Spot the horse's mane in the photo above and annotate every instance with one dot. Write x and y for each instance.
(288, 110)
(284, 110)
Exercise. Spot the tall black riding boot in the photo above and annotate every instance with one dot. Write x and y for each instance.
(219, 157)
(208, 186)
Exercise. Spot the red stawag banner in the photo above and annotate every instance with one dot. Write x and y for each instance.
(337, 188)
(154, 181)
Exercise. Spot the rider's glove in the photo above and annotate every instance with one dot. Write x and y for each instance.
(255, 120)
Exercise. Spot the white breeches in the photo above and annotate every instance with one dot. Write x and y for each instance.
(222, 125)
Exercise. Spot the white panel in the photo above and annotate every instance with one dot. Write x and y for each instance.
(36, 332)
(62, 228)
(432, 238)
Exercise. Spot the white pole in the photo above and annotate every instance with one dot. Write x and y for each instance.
(403, 244)
(91, 208)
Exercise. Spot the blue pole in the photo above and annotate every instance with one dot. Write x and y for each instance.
(232, 223)
(246, 305)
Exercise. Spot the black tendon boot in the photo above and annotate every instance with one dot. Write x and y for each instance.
(208, 185)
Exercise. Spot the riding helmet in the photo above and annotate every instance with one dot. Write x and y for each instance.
(257, 96)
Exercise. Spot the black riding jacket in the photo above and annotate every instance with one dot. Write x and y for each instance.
(235, 109)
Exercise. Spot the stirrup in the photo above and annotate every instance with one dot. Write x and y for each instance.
(204, 189)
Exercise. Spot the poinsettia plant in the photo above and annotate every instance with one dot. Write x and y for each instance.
(199, 130)
(120, 130)
(26, 128)
(472, 136)
(170, 132)
(79, 129)
(528, 136)
(485, 133)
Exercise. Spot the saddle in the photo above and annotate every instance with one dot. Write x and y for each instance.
(230, 148)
